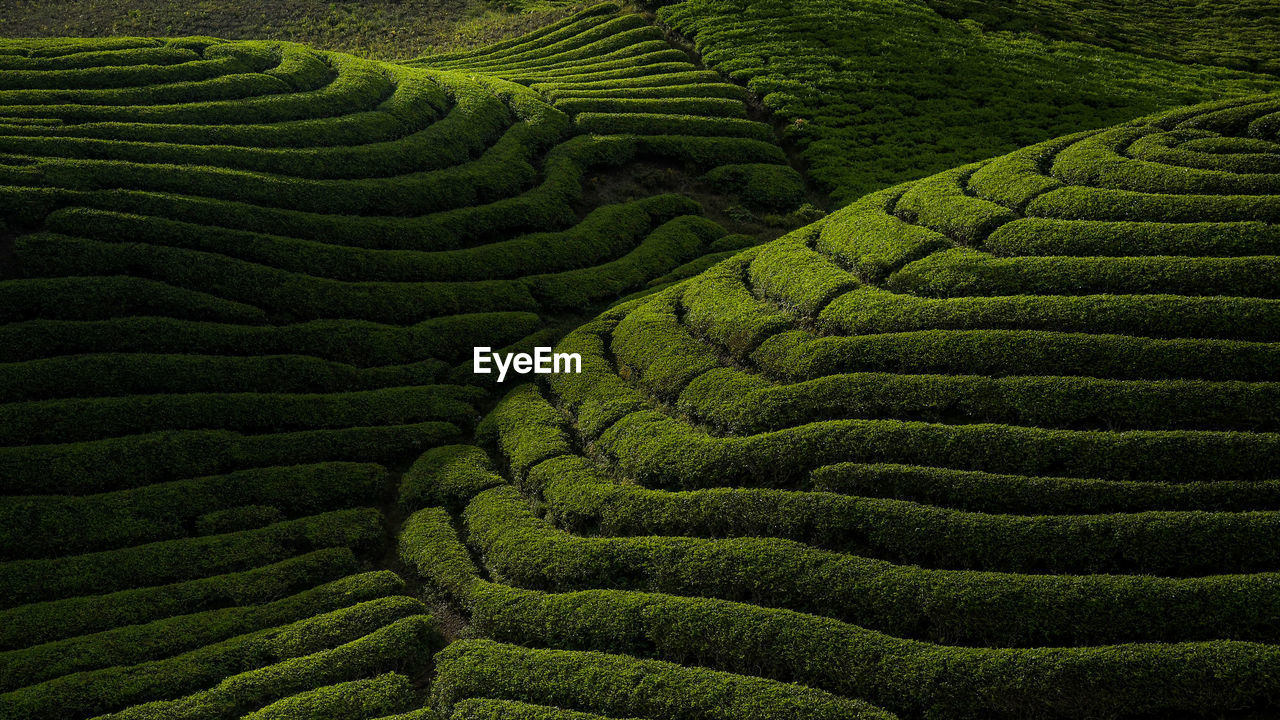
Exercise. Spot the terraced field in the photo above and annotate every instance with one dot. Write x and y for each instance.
(999, 443)
(878, 92)
(240, 282)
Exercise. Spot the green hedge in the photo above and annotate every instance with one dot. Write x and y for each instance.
(133, 644)
(356, 342)
(582, 498)
(489, 709)
(668, 246)
(950, 607)
(141, 373)
(134, 461)
(1205, 151)
(721, 308)
(704, 107)
(1029, 495)
(90, 693)
(502, 170)
(101, 298)
(46, 622)
(619, 685)
(525, 429)
(104, 57)
(1015, 179)
(943, 204)
(1100, 161)
(963, 272)
(27, 581)
(353, 128)
(1086, 203)
(52, 525)
(402, 646)
(597, 397)
(669, 78)
(737, 401)
(553, 32)
(610, 51)
(798, 355)
(659, 451)
(662, 59)
(430, 546)
(675, 87)
(260, 98)
(79, 419)
(589, 30)
(447, 476)
(353, 700)
(874, 310)
(477, 118)
(607, 232)
(243, 517)
(651, 348)
(286, 295)
(654, 123)
(873, 242)
(913, 678)
(18, 85)
(765, 185)
(792, 274)
(1047, 236)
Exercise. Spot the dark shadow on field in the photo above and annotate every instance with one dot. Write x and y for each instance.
(8, 259)
(645, 178)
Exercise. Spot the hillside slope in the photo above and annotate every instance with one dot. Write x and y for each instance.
(240, 289)
(876, 92)
(999, 443)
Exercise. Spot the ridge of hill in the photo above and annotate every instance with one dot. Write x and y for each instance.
(998, 443)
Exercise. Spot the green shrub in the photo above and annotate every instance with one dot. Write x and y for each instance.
(403, 645)
(525, 429)
(77, 419)
(243, 517)
(141, 373)
(1136, 319)
(488, 709)
(950, 607)
(100, 298)
(447, 476)
(355, 342)
(51, 525)
(44, 622)
(963, 271)
(1047, 236)
(995, 493)
(134, 461)
(114, 688)
(134, 644)
(910, 677)
(620, 685)
(27, 581)
(763, 185)
(366, 698)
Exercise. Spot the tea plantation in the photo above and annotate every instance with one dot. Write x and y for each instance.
(881, 91)
(999, 443)
(242, 281)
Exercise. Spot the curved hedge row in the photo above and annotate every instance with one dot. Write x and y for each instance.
(929, 454)
(242, 293)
